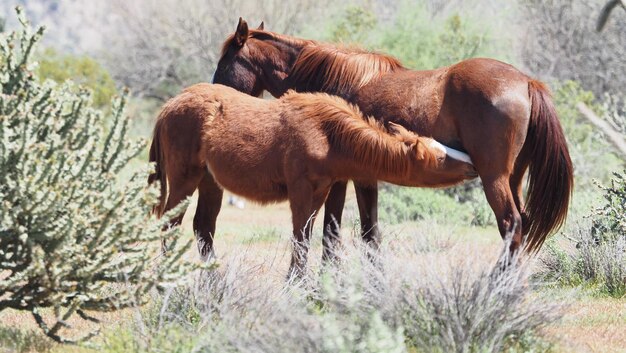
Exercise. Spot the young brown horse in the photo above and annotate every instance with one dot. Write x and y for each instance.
(295, 149)
(503, 119)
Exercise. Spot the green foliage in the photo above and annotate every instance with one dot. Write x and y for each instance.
(347, 327)
(422, 42)
(610, 220)
(73, 238)
(463, 204)
(22, 341)
(416, 37)
(81, 69)
(398, 204)
(598, 255)
(355, 25)
(590, 152)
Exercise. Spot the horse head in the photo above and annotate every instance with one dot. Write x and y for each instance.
(255, 60)
(436, 164)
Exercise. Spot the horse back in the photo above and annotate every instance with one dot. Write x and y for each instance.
(447, 102)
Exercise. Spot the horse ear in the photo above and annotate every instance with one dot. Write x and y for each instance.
(421, 150)
(261, 26)
(241, 34)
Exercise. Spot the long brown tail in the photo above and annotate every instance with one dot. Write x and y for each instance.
(551, 176)
(159, 172)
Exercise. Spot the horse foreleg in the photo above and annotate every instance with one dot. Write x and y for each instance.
(367, 200)
(209, 205)
(333, 210)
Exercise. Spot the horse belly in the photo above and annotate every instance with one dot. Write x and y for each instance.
(254, 183)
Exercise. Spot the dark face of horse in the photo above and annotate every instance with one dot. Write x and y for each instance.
(235, 68)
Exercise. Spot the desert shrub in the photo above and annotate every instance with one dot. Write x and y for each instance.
(610, 220)
(406, 300)
(443, 305)
(354, 26)
(595, 255)
(581, 261)
(73, 238)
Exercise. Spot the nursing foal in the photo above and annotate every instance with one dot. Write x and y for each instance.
(293, 148)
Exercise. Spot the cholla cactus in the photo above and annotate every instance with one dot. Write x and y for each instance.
(74, 237)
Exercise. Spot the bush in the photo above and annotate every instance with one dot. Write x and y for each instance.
(406, 300)
(418, 37)
(398, 204)
(589, 149)
(83, 70)
(596, 255)
(73, 237)
(610, 220)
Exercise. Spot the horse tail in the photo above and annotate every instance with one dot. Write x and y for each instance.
(159, 170)
(551, 176)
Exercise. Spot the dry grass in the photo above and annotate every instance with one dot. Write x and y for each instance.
(592, 325)
(262, 234)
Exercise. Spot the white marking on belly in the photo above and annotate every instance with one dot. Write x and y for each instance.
(452, 153)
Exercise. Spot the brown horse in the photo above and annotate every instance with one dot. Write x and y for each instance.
(502, 118)
(296, 149)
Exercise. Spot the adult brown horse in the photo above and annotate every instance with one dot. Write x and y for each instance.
(504, 119)
(297, 148)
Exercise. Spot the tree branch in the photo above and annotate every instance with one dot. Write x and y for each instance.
(614, 137)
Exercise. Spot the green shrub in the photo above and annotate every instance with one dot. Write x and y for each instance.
(83, 70)
(15, 340)
(610, 220)
(73, 238)
(418, 38)
(354, 26)
(398, 204)
(591, 153)
(595, 256)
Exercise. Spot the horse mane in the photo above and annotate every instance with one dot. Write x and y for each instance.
(339, 70)
(364, 139)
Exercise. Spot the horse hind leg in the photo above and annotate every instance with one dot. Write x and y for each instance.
(367, 201)
(182, 184)
(209, 205)
(503, 203)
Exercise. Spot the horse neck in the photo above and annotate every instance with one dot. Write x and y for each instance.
(368, 152)
(275, 58)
